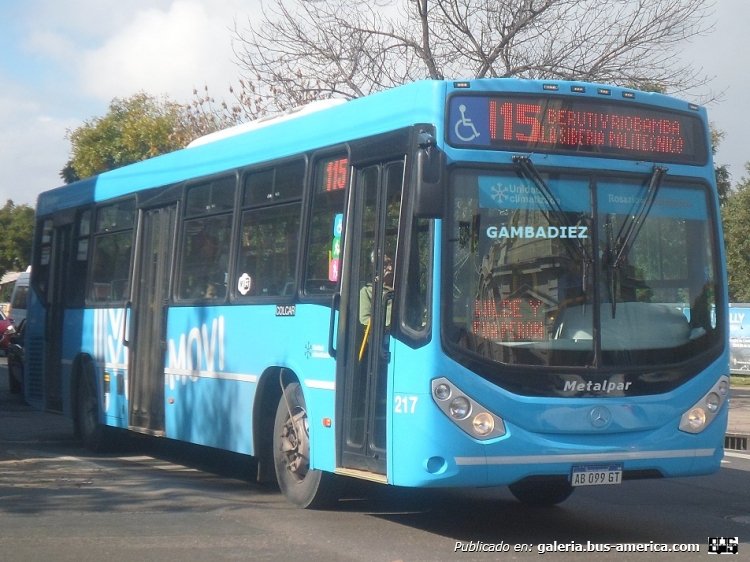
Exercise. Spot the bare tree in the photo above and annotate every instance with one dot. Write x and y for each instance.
(301, 50)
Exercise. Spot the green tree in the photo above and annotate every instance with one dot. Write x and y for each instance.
(736, 217)
(17, 226)
(134, 129)
(723, 179)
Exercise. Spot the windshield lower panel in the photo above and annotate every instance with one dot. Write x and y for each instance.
(574, 271)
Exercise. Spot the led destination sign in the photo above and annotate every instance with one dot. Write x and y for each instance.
(581, 125)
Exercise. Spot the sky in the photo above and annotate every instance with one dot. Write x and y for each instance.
(62, 62)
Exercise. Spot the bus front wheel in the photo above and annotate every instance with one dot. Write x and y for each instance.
(301, 485)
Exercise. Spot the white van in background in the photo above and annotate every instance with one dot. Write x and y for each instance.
(19, 297)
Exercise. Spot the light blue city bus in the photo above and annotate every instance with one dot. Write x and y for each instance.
(447, 284)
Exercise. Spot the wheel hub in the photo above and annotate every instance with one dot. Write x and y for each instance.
(295, 443)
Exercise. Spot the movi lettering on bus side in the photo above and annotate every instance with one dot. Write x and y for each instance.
(199, 350)
(109, 325)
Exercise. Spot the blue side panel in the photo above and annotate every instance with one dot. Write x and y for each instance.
(111, 357)
(103, 340)
(217, 356)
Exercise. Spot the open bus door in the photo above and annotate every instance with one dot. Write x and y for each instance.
(364, 359)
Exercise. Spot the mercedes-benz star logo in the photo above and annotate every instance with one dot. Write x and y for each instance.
(600, 417)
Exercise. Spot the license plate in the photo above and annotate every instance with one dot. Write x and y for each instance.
(596, 475)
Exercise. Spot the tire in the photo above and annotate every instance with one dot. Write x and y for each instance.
(94, 435)
(14, 385)
(541, 493)
(301, 485)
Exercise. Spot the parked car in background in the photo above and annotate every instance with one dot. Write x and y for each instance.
(19, 297)
(5, 323)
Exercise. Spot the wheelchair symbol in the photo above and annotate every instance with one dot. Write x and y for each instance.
(465, 129)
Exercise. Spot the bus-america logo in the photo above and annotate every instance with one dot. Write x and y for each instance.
(606, 386)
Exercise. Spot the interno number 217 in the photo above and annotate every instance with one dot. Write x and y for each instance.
(405, 404)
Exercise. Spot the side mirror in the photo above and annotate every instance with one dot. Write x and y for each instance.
(429, 201)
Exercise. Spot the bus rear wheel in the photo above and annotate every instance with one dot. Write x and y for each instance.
(301, 485)
(14, 384)
(92, 433)
(541, 492)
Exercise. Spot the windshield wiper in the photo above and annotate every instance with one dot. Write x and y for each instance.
(633, 222)
(527, 168)
(608, 253)
(618, 248)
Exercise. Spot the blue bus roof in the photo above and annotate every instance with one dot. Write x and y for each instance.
(418, 102)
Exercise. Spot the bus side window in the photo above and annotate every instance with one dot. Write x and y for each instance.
(272, 202)
(206, 234)
(269, 249)
(416, 298)
(205, 258)
(110, 261)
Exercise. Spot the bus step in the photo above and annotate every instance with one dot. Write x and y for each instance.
(362, 475)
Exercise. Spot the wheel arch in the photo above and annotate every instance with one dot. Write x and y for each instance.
(267, 396)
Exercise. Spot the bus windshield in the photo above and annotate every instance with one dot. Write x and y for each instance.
(571, 270)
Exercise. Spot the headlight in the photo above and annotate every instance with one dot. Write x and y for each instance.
(702, 413)
(713, 402)
(723, 388)
(465, 412)
(460, 408)
(442, 391)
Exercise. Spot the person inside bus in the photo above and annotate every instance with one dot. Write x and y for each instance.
(207, 261)
(365, 302)
(365, 294)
